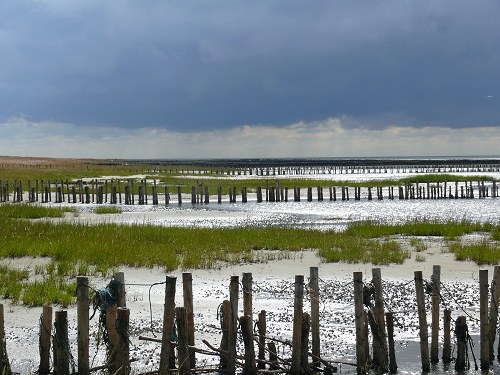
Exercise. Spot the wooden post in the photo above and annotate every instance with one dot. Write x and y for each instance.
(187, 286)
(304, 355)
(273, 356)
(234, 290)
(4, 359)
(228, 344)
(120, 289)
(389, 319)
(261, 326)
(461, 333)
(447, 336)
(179, 195)
(359, 319)
(436, 297)
(493, 314)
(61, 344)
(295, 368)
(249, 367)
(247, 293)
(314, 295)
(183, 345)
(422, 319)
(82, 297)
(45, 337)
(111, 314)
(122, 363)
(380, 355)
(168, 323)
(483, 317)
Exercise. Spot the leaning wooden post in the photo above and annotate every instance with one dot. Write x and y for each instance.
(389, 319)
(295, 368)
(314, 295)
(483, 317)
(422, 319)
(359, 319)
(447, 336)
(82, 298)
(380, 354)
(4, 359)
(122, 362)
(461, 333)
(183, 345)
(249, 367)
(45, 336)
(187, 286)
(61, 344)
(168, 324)
(261, 326)
(247, 282)
(493, 315)
(436, 297)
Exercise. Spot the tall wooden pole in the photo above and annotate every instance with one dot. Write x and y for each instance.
(436, 297)
(359, 319)
(187, 286)
(314, 294)
(295, 368)
(483, 318)
(168, 324)
(82, 297)
(422, 319)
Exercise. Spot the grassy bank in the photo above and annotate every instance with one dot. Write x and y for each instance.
(100, 249)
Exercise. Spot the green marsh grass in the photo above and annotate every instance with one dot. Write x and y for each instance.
(481, 253)
(449, 229)
(418, 244)
(32, 211)
(108, 210)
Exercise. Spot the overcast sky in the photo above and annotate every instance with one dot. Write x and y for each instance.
(229, 78)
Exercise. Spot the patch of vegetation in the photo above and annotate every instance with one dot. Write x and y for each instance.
(419, 258)
(418, 244)
(481, 253)
(108, 210)
(32, 211)
(418, 227)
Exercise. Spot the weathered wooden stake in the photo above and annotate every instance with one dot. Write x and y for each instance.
(483, 317)
(82, 298)
(436, 297)
(228, 344)
(61, 343)
(187, 286)
(461, 333)
(247, 282)
(304, 355)
(493, 314)
(314, 295)
(359, 319)
(182, 345)
(447, 336)
(120, 289)
(45, 337)
(246, 324)
(380, 355)
(389, 319)
(122, 362)
(295, 368)
(422, 319)
(261, 326)
(168, 324)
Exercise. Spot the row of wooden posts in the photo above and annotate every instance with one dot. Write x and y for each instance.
(304, 354)
(103, 192)
(382, 326)
(334, 170)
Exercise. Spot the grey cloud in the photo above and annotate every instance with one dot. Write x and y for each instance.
(194, 65)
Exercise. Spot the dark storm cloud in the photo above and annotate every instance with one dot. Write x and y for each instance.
(199, 65)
